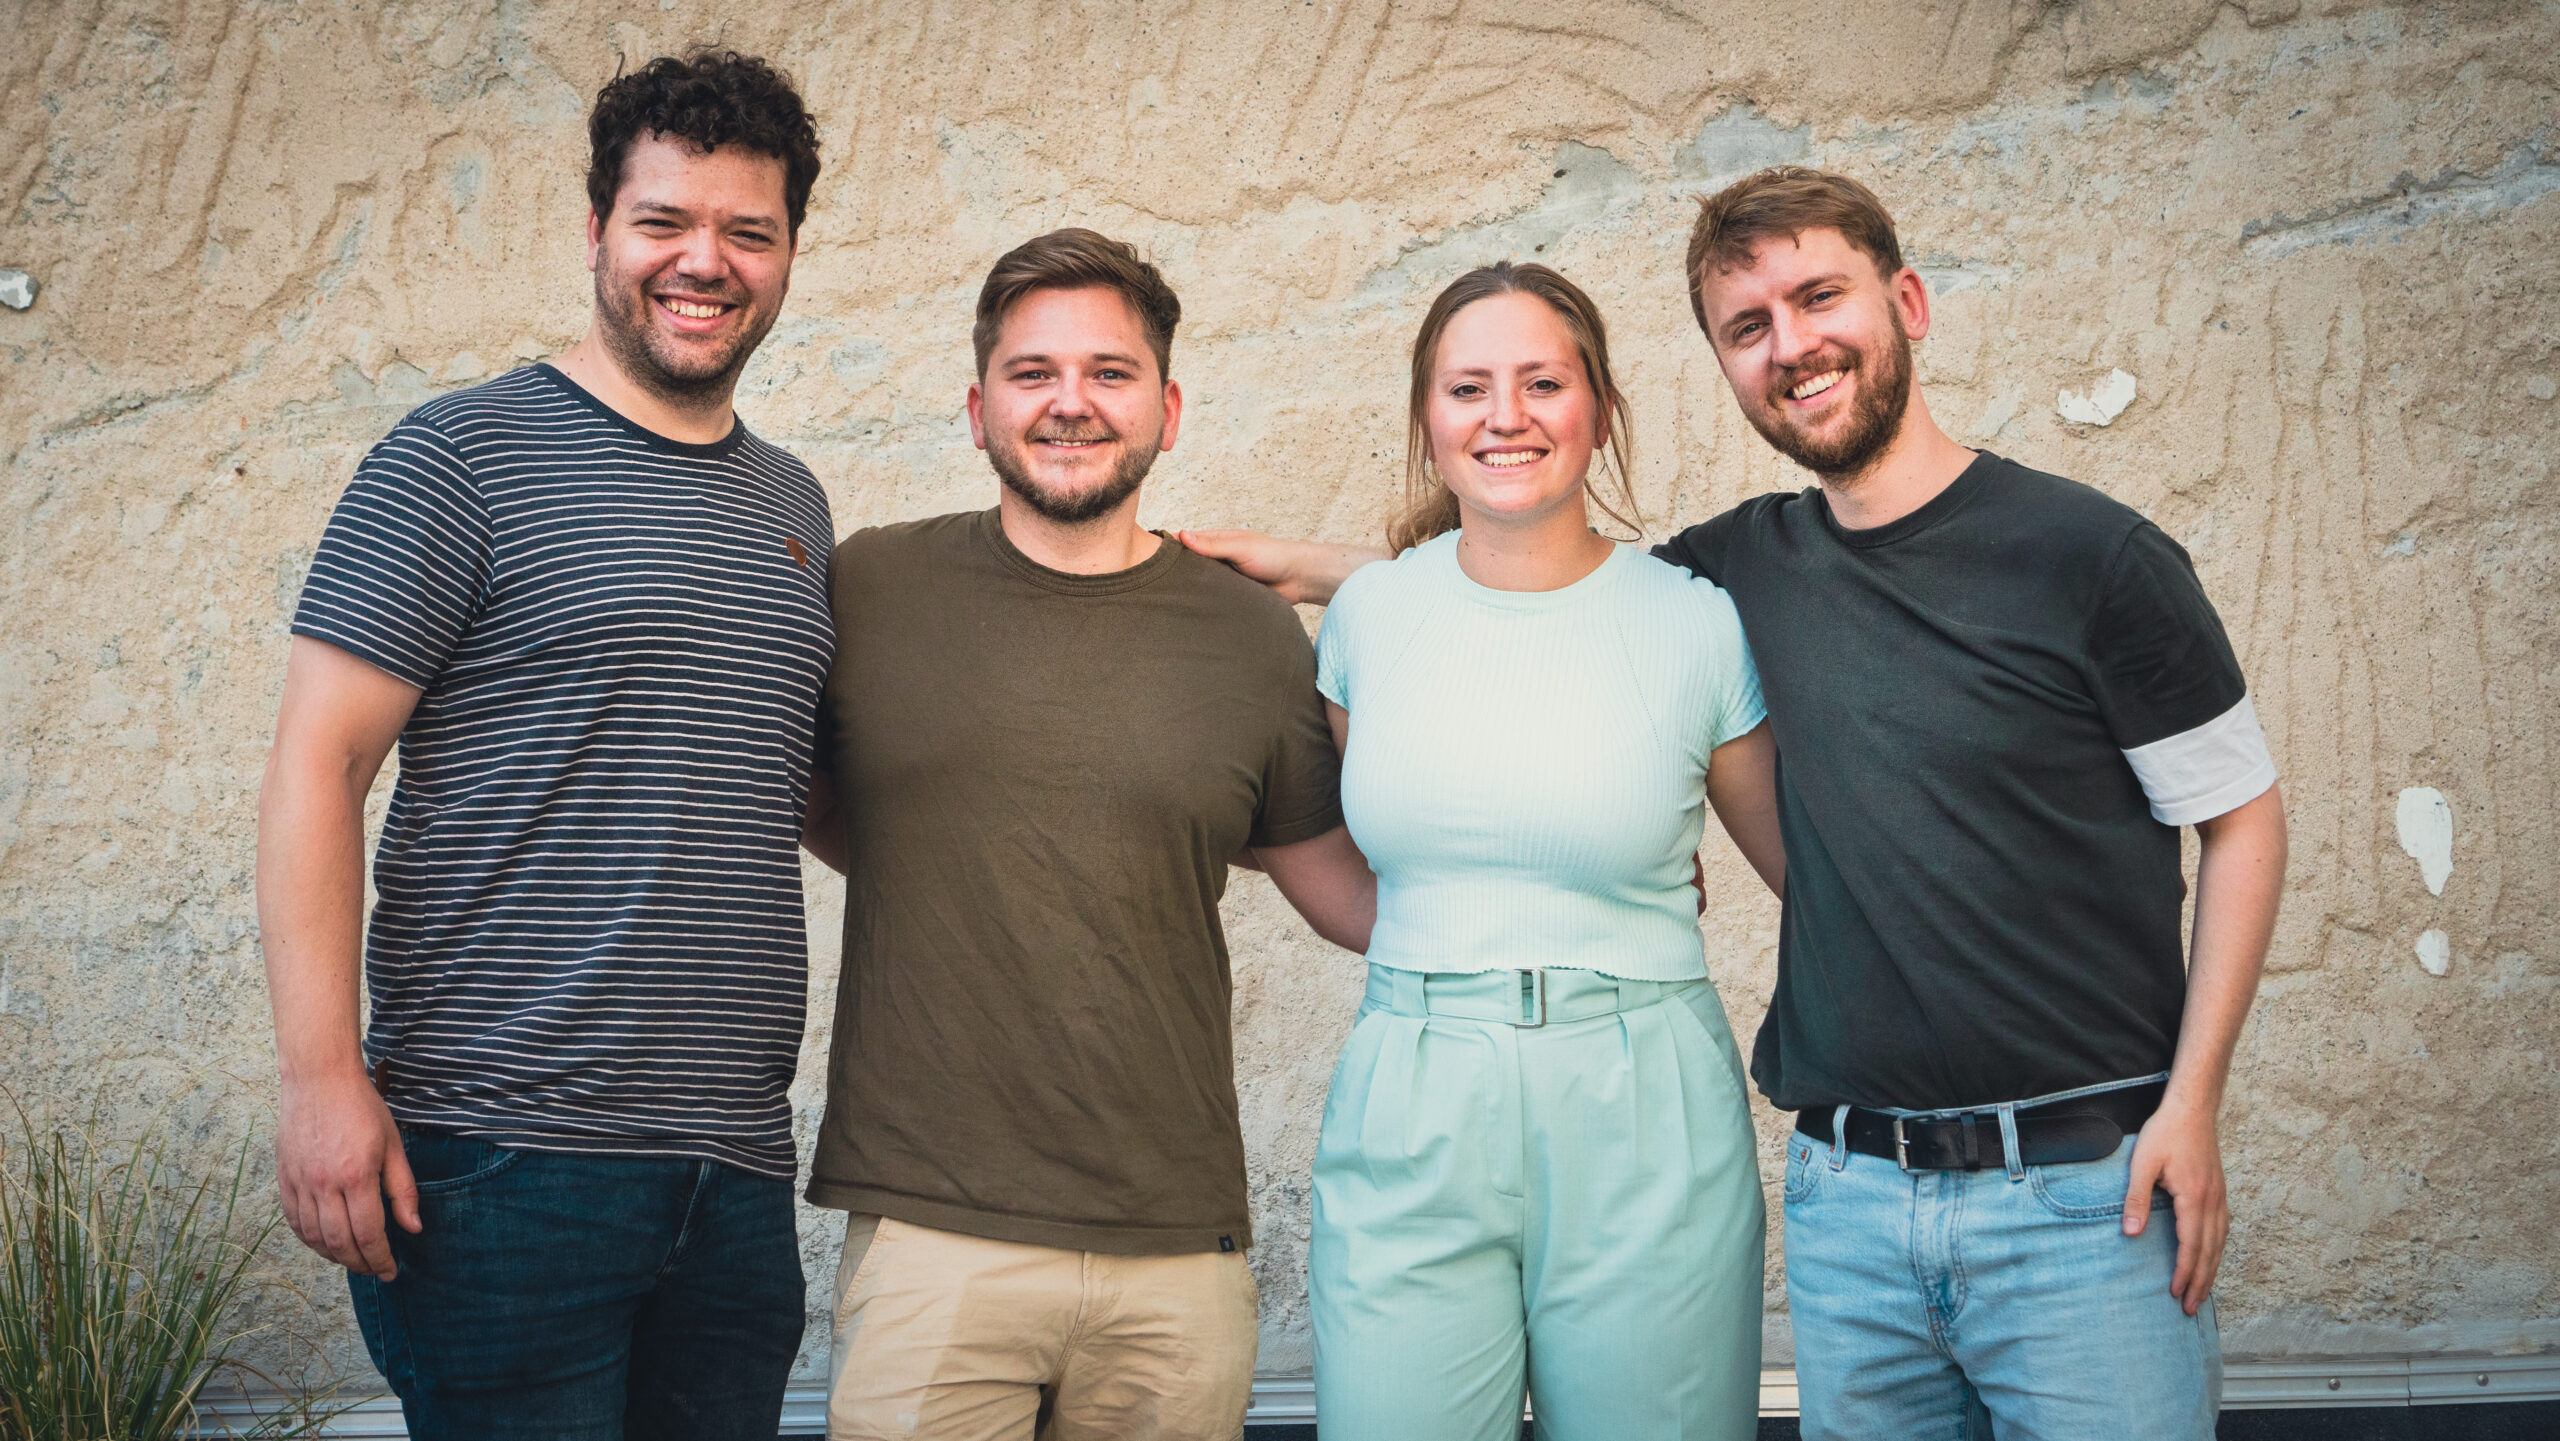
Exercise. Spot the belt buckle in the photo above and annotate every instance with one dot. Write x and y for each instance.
(1901, 1147)
(1533, 999)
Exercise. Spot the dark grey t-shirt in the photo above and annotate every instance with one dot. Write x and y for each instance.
(1982, 900)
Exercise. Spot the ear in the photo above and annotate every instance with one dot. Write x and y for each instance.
(977, 416)
(595, 238)
(1911, 302)
(1172, 414)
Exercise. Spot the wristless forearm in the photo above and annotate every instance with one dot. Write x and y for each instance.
(2239, 882)
(310, 914)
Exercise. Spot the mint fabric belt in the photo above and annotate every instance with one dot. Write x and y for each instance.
(1542, 997)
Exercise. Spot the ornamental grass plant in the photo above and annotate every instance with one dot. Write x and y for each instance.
(117, 1288)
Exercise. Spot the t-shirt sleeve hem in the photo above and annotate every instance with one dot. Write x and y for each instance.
(1750, 718)
(364, 649)
(2221, 801)
(1305, 828)
(2206, 771)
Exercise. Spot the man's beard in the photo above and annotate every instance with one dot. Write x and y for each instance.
(1076, 507)
(1884, 393)
(635, 343)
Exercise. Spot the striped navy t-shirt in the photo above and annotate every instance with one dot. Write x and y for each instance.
(589, 936)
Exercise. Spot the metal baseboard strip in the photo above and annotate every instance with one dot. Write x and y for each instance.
(2404, 1380)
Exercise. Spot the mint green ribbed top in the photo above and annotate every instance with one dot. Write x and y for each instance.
(1527, 769)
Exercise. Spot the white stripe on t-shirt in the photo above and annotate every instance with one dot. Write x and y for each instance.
(2211, 770)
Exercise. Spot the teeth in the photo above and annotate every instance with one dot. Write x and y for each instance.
(1500, 459)
(1817, 385)
(691, 310)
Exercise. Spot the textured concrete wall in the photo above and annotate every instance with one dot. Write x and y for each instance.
(2318, 238)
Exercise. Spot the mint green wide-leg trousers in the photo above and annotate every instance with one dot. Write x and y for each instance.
(1572, 1207)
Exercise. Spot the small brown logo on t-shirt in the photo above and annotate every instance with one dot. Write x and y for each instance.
(799, 557)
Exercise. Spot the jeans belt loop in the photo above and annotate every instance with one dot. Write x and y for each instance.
(2009, 1142)
(1533, 999)
(1839, 1137)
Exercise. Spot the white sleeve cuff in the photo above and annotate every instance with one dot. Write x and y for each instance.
(2211, 770)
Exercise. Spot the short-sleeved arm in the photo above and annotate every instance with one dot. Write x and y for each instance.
(1302, 779)
(1734, 706)
(2170, 688)
(1700, 549)
(404, 561)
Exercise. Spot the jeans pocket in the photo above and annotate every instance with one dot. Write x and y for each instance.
(445, 1163)
(1805, 1168)
(2087, 1190)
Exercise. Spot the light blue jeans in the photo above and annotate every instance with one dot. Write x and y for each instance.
(1947, 1305)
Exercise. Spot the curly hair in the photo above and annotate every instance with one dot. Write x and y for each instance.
(708, 98)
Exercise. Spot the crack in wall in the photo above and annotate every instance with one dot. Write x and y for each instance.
(1591, 188)
(2520, 179)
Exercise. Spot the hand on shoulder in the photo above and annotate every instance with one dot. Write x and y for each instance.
(1302, 572)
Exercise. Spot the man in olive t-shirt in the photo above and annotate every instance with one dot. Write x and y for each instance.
(1050, 731)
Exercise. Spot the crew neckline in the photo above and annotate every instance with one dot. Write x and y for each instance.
(1958, 494)
(1066, 582)
(1600, 578)
(711, 450)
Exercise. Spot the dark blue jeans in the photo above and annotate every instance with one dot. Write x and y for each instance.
(586, 1298)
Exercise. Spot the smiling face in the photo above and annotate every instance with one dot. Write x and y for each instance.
(1073, 408)
(1817, 346)
(1512, 417)
(691, 266)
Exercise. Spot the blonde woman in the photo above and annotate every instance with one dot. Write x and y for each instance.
(1537, 1167)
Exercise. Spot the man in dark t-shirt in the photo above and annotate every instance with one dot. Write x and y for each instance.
(591, 608)
(1997, 696)
(1050, 731)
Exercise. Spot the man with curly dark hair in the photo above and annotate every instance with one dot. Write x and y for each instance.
(592, 610)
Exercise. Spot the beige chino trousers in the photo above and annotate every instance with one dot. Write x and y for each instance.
(958, 1338)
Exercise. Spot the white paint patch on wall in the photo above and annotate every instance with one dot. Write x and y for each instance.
(2426, 833)
(2435, 952)
(2105, 401)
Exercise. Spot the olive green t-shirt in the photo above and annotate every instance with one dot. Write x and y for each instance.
(1043, 776)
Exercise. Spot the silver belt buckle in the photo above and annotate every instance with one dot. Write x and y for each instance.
(1901, 1147)
(1533, 999)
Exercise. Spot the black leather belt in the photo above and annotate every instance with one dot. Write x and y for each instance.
(2088, 1128)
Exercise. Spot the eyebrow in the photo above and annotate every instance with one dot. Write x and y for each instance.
(1107, 357)
(1834, 277)
(663, 207)
(1551, 363)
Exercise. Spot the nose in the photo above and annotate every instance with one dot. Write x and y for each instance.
(1074, 396)
(1791, 338)
(700, 257)
(1509, 415)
